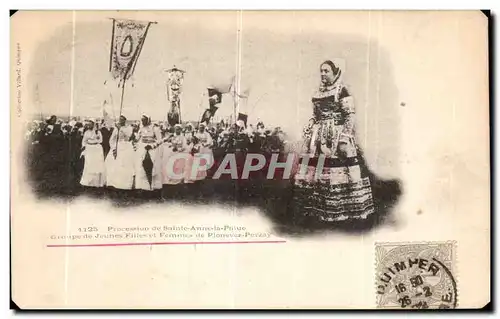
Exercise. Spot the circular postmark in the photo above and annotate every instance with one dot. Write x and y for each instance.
(416, 276)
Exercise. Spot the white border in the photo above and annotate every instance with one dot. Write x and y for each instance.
(184, 4)
(254, 4)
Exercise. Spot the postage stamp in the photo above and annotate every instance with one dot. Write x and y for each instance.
(416, 275)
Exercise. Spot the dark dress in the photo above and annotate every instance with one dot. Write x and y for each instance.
(342, 189)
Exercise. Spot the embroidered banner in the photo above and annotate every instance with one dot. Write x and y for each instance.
(127, 40)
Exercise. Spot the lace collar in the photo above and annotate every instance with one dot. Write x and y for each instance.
(332, 89)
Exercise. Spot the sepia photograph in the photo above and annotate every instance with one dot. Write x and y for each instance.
(250, 159)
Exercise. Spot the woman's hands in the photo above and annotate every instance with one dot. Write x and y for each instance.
(342, 150)
(325, 149)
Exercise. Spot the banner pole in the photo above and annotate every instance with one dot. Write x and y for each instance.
(130, 67)
(179, 107)
(121, 109)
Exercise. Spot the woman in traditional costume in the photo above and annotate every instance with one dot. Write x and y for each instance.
(120, 169)
(190, 150)
(94, 170)
(340, 190)
(76, 162)
(203, 150)
(166, 153)
(148, 159)
(173, 165)
(174, 169)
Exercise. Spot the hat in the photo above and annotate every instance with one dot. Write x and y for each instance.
(148, 118)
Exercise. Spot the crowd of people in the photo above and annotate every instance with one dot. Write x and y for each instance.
(64, 155)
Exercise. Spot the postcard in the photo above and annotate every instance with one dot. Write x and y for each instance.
(250, 160)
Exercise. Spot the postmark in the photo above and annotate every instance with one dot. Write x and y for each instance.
(416, 275)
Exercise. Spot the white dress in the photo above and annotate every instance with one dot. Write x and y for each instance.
(189, 158)
(204, 156)
(94, 170)
(174, 169)
(120, 171)
(148, 135)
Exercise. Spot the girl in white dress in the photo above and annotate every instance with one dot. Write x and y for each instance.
(174, 170)
(148, 138)
(203, 146)
(190, 141)
(119, 163)
(94, 169)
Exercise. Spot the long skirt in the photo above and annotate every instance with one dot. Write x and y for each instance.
(173, 169)
(335, 193)
(188, 167)
(201, 162)
(141, 176)
(94, 169)
(120, 171)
